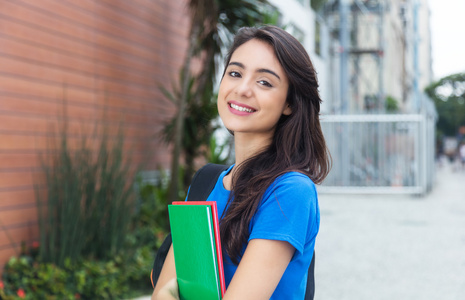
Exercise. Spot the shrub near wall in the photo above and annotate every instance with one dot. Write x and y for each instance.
(25, 278)
(89, 201)
(84, 217)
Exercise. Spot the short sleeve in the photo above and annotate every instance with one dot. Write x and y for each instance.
(288, 211)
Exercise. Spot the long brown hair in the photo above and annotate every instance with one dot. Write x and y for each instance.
(298, 143)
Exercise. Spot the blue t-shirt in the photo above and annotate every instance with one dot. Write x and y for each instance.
(288, 212)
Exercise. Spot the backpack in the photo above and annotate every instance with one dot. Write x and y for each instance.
(202, 184)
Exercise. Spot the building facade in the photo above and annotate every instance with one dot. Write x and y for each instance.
(107, 59)
(381, 51)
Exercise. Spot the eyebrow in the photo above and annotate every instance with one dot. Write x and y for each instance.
(262, 70)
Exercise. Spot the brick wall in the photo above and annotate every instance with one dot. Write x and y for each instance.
(105, 55)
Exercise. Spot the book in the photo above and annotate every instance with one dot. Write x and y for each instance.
(197, 249)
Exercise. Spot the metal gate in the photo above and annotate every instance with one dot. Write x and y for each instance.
(379, 153)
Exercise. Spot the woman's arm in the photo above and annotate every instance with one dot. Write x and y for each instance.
(167, 280)
(260, 269)
(256, 277)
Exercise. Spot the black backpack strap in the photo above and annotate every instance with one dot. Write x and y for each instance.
(310, 292)
(160, 259)
(202, 184)
(204, 181)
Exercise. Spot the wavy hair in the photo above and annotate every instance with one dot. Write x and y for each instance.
(298, 143)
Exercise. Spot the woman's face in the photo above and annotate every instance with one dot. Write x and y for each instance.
(252, 95)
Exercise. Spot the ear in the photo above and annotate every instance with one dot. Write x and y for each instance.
(287, 110)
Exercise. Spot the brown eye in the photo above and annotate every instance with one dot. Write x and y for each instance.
(265, 83)
(234, 74)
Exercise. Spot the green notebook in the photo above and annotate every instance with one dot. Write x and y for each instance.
(195, 251)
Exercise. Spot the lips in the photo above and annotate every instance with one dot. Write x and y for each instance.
(240, 108)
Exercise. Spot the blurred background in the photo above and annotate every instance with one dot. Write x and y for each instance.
(107, 108)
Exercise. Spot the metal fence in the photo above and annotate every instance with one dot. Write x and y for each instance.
(380, 153)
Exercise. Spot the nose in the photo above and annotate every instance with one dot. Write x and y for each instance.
(244, 88)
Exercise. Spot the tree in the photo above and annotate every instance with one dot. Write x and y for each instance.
(448, 95)
(317, 4)
(197, 126)
(212, 24)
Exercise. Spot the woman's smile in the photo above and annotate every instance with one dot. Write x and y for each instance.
(240, 109)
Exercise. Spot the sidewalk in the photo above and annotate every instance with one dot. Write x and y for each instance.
(393, 247)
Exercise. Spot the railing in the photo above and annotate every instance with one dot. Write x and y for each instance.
(379, 153)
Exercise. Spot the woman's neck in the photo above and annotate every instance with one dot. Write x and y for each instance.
(246, 146)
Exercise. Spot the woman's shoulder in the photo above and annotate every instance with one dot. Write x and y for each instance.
(292, 193)
(296, 181)
(294, 177)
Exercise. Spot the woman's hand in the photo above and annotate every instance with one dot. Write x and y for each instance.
(168, 292)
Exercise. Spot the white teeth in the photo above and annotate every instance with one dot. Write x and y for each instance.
(240, 108)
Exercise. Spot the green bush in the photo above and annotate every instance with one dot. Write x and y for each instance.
(391, 104)
(87, 209)
(85, 280)
(37, 281)
(153, 206)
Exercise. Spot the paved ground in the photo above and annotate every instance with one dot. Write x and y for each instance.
(394, 247)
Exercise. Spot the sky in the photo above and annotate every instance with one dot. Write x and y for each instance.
(448, 36)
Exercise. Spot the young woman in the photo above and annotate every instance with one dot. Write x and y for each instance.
(268, 99)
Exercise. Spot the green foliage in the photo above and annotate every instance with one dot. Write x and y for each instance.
(123, 276)
(151, 219)
(391, 104)
(448, 95)
(198, 127)
(3, 295)
(271, 16)
(85, 280)
(317, 4)
(87, 208)
(137, 268)
(38, 281)
(100, 279)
